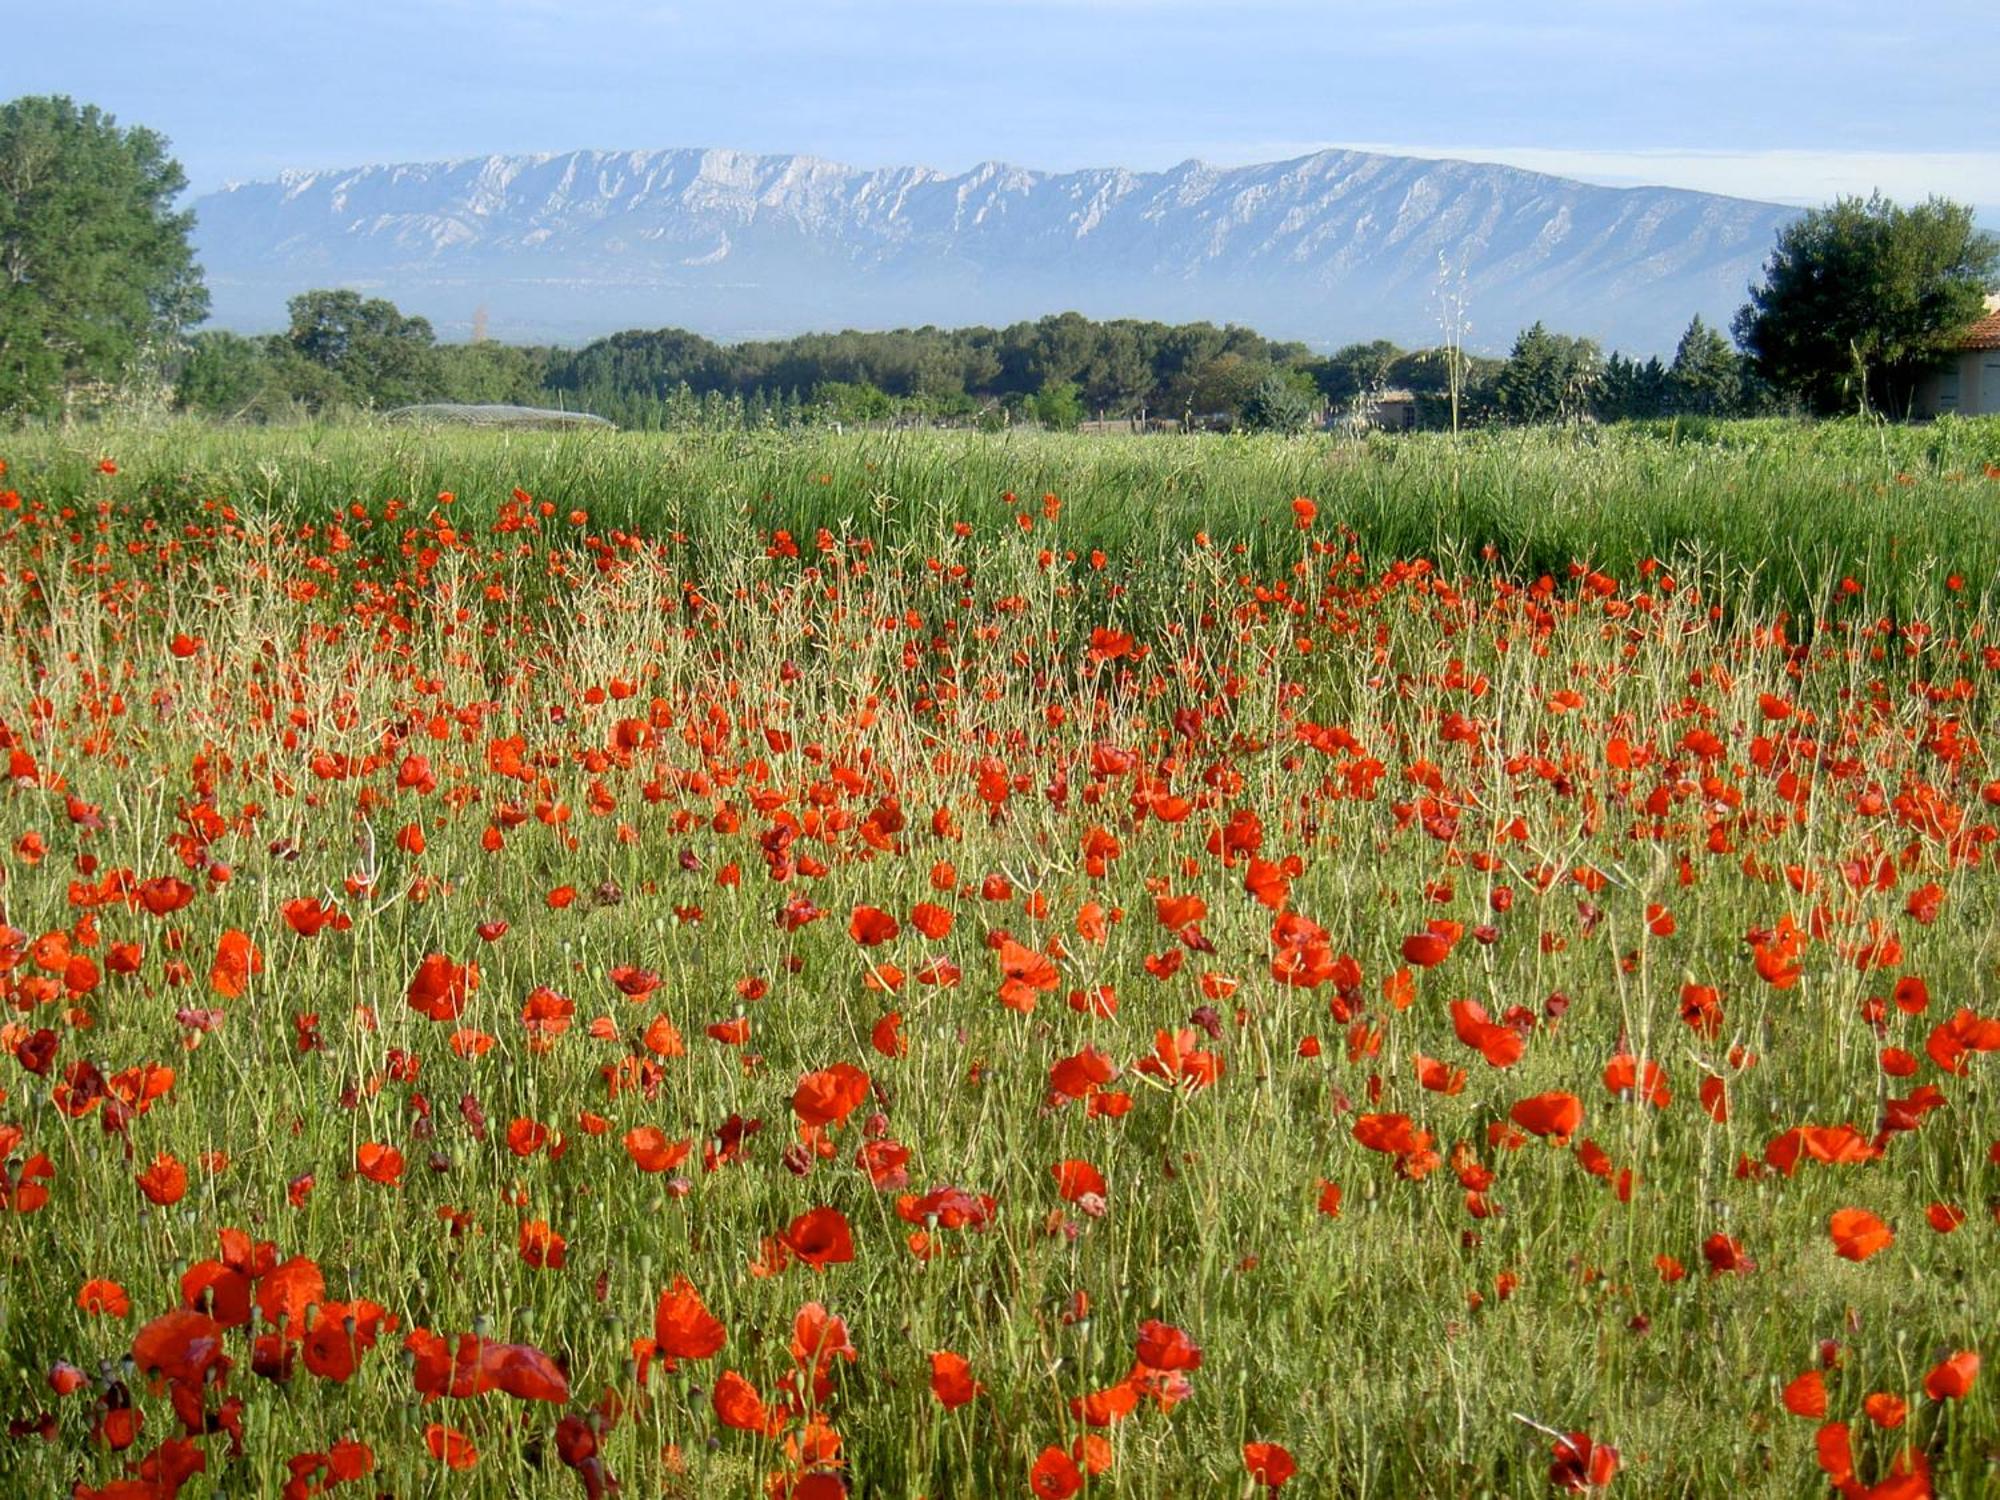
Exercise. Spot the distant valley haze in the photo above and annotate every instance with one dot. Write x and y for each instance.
(1326, 248)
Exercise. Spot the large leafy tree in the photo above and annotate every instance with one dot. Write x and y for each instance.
(96, 274)
(1859, 298)
(378, 355)
(1058, 404)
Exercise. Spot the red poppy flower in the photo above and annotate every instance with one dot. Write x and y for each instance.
(683, 1327)
(1269, 1464)
(1165, 1347)
(1579, 1464)
(236, 959)
(1054, 1475)
(1024, 974)
(946, 1208)
(650, 1149)
(634, 983)
(1725, 1255)
(440, 988)
(181, 1346)
(738, 1405)
(1885, 1410)
(820, 1238)
(871, 927)
(105, 1298)
(1553, 1116)
(886, 1036)
(951, 1380)
(1077, 1179)
(1952, 1379)
(526, 1137)
(450, 1447)
(164, 1181)
(1858, 1234)
(1501, 1046)
(1104, 1408)
(1806, 1396)
(933, 921)
(829, 1096)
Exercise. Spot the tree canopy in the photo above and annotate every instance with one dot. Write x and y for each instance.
(1706, 377)
(1118, 367)
(97, 279)
(1859, 298)
(1548, 377)
(376, 354)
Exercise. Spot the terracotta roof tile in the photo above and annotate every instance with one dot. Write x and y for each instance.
(1985, 334)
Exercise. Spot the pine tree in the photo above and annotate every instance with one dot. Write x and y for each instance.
(1548, 377)
(1706, 377)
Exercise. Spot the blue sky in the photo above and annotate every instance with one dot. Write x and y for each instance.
(1764, 98)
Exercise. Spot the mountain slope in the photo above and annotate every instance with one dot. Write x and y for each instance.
(1329, 247)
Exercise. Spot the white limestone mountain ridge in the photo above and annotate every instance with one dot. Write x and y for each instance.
(1330, 247)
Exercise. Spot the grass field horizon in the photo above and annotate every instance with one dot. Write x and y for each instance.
(941, 964)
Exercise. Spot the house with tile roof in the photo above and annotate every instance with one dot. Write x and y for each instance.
(1967, 383)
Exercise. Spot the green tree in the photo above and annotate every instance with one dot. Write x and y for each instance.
(97, 281)
(1221, 386)
(1706, 377)
(1059, 404)
(377, 355)
(1548, 377)
(1859, 298)
(1283, 401)
(1355, 371)
(222, 375)
(1118, 376)
(852, 401)
(1630, 391)
(487, 372)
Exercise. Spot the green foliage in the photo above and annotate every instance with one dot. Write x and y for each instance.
(1549, 377)
(643, 363)
(1058, 405)
(1630, 391)
(1221, 387)
(226, 375)
(377, 356)
(1529, 501)
(488, 372)
(96, 277)
(1284, 401)
(1706, 377)
(1859, 298)
(851, 401)
(1355, 371)
(1120, 368)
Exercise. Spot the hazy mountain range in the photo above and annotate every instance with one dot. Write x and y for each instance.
(1328, 248)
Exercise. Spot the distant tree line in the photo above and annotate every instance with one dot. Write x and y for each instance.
(1058, 369)
(100, 297)
(342, 351)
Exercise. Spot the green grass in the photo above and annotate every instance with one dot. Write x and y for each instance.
(1797, 506)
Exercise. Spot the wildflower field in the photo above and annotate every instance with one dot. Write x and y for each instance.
(939, 965)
